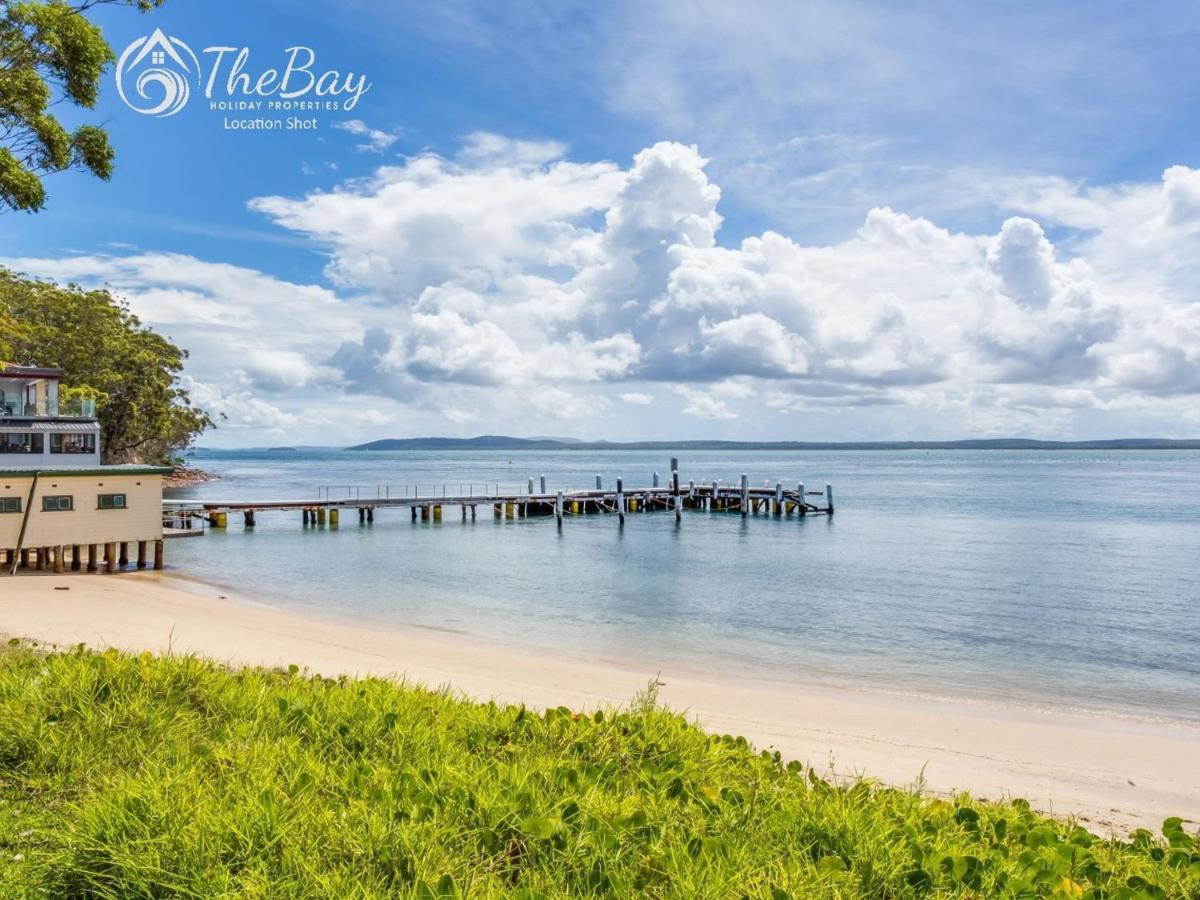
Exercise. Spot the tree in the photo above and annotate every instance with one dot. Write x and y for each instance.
(108, 355)
(50, 53)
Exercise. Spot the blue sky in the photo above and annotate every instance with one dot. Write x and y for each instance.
(763, 220)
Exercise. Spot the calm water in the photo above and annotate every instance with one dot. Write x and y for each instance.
(1046, 578)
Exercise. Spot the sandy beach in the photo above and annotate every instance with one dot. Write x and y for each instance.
(1111, 773)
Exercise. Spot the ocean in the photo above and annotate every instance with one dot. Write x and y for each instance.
(1040, 578)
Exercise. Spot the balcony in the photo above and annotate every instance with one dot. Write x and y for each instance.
(14, 408)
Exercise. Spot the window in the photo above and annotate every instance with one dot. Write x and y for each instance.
(10, 504)
(72, 443)
(111, 501)
(60, 503)
(21, 443)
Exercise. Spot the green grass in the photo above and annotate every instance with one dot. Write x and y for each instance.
(137, 776)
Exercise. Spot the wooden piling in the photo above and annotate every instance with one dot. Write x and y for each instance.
(158, 555)
(542, 485)
(123, 559)
(321, 515)
(829, 498)
(803, 507)
(745, 502)
(110, 558)
(334, 515)
(248, 518)
(558, 508)
(59, 560)
(76, 562)
(621, 501)
(141, 559)
(93, 562)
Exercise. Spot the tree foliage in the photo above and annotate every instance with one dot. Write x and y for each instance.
(107, 354)
(49, 53)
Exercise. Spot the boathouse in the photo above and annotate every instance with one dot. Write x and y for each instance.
(59, 506)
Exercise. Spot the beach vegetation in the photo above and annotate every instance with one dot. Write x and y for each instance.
(140, 776)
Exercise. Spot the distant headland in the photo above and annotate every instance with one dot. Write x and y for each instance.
(503, 442)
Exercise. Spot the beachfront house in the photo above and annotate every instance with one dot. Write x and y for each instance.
(59, 506)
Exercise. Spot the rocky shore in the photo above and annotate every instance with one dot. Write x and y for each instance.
(182, 476)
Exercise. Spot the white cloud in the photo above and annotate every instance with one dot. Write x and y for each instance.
(376, 141)
(510, 279)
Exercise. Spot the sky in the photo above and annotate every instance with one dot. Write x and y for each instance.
(647, 220)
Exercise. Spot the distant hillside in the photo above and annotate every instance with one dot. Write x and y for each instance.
(502, 442)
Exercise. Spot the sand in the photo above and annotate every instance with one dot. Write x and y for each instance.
(1112, 773)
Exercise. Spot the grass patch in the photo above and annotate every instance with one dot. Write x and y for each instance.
(141, 776)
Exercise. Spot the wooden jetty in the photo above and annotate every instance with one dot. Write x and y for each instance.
(429, 506)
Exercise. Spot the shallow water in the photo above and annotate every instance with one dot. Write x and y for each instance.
(1048, 578)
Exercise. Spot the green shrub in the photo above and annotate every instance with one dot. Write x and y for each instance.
(141, 776)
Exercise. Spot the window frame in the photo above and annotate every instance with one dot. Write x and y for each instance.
(64, 440)
(114, 507)
(70, 507)
(4, 501)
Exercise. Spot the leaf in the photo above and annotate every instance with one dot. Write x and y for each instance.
(829, 865)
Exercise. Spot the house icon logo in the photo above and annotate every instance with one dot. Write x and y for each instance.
(154, 74)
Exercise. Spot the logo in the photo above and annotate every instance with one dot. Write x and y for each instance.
(155, 75)
(157, 65)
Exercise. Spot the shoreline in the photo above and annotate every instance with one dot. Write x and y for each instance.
(1113, 773)
(729, 668)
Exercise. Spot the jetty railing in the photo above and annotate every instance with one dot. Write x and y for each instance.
(427, 502)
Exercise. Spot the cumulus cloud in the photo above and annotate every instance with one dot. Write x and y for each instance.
(509, 277)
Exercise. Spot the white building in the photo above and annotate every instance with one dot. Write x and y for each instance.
(59, 506)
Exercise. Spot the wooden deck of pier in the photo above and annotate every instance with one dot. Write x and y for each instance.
(618, 500)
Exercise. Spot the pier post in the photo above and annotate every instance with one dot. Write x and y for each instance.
(304, 515)
(362, 515)
(370, 515)
(141, 563)
(621, 501)
(558, 508)
(599, 486)
(93, 562)
(76, 558)
(829, 498)
(675, 493)
(321, 515)
(124, 557)
(59, 560)
(803, 507)
(712, 501)
(745, 504)
(247, 519)
(333, 517)
(779, 498)
(464, 512)
(110, 558)
(655, 479)
(472, 512)
(158, 555)
(530, 491)
(437, 512)
(542, 485)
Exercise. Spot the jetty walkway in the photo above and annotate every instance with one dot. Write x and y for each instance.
(429, 505)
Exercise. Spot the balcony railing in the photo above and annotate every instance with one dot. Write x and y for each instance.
(83, 408)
